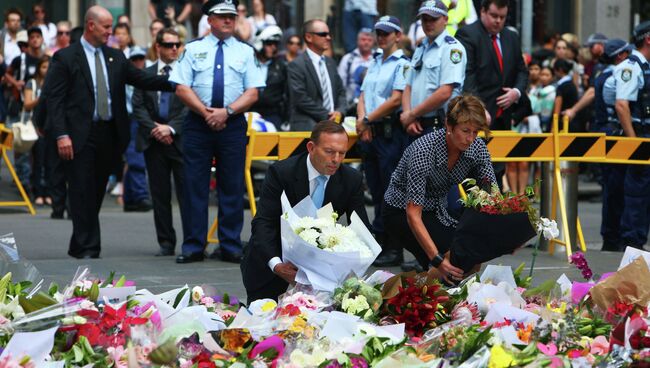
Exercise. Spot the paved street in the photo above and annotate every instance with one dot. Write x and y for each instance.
(128, 246)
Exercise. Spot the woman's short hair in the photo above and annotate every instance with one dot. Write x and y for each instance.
(467, 109)
(326, 126)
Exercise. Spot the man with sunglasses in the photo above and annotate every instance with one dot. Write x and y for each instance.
(160, 118)
(272, 104)
(62, 37)
(315, 87)
(218, 79)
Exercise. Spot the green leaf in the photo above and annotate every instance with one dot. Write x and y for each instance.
(109, 280)
(78, 353)
(120, 282)
(544, 289)
(93, 294)
(54, 288)
(226, 298)
(179, 297)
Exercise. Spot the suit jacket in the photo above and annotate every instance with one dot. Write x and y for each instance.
(344, 191)
(483, 76)
(145, 112)
(305, 93)
(71, 96)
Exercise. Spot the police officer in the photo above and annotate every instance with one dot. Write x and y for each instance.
(272, 104)
(217, 79)
(437, 72)
(605, 120)
(378, 124)
(633, 110)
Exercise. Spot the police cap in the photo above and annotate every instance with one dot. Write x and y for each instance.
(220, 7)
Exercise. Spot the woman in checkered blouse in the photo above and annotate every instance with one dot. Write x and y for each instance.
(415, 203)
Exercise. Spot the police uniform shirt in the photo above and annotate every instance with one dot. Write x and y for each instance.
(609, 88)
(629, 78)
(195, 68)
(436, 64)
(382, 78)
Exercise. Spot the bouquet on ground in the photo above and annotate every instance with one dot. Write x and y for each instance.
(494, 224)
(324, 251)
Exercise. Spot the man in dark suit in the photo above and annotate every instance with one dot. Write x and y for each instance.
(264, 273)
(315, 88)
(160, 118)
(495, 67)
(87, 107)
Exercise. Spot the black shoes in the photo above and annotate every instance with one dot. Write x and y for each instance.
(189, 258)
(224, 256)
(142, 206)
(163, 252)
(389, 258)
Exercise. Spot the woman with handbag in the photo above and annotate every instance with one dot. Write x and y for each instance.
(31, 95)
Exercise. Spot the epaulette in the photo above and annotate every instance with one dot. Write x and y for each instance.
(450, 40)
(194, 40)
(376, 53)
(405, 57)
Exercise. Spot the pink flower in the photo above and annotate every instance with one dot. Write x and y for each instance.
(547, 349)
(117, 355)
(207, 301)
(556, 363)
(600, 346)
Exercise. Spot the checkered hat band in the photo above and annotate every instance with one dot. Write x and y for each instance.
(433, 9)
(389, 24)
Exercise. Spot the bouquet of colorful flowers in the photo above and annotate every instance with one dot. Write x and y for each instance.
(488, 215)
(324, 252)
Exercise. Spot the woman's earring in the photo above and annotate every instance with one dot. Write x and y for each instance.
(448, 133)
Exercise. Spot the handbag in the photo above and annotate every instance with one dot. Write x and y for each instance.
(25, 135)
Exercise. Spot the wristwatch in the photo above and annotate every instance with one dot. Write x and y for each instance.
(229, 110)
(365, 120)
(436, 261)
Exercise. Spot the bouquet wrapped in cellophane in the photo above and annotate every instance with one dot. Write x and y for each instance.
(324, 251)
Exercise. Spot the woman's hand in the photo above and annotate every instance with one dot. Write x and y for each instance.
(449, 272)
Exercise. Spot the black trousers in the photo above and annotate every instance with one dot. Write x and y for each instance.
(87, 175)
(272, 290)
(398, 233)
(164, 162)
(56, 169)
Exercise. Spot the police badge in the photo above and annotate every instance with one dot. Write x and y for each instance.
(456, 56)
(626, 75)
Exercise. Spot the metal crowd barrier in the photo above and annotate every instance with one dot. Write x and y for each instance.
(6, 143)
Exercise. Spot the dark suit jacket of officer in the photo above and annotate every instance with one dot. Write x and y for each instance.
(305, 93)
(483, 76)
(274, 97)
(344, 191)
(71, 94)
(145, 112)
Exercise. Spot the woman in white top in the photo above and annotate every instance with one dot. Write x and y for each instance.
(259, 20)
(48, 28)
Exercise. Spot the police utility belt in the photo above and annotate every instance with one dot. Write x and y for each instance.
(641, 129)
(436, 121)
(385, 126)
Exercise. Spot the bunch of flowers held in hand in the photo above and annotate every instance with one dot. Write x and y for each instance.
(328, 235)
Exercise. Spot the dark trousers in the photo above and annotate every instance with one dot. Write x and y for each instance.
(398, 233)
(40, 176)
(272, 290)
(381, 157)
(163, 162)
(56, 170)
(612, 180)
(635, 219)
(87, 175)
(135, 178)
(228, 147)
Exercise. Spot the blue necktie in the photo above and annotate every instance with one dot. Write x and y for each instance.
(319, 192)
(165, 99)
(217, 81)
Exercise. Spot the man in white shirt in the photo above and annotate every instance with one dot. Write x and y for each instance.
(317, 173)
(354, 62)
(9, 49)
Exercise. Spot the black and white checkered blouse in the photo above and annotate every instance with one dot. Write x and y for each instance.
(422, 176)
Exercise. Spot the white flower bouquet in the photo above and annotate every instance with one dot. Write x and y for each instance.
(324, 251)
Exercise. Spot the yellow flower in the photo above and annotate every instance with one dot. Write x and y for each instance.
(269, 306)
(561, 309)
(499, 358)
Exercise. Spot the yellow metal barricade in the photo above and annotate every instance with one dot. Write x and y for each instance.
(6, 143)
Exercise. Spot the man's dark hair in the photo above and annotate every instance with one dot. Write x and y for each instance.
(561, 65)
(308, 26)
(326, 126)
(163, 32)
(34, 30)
(13, 11)
(157, 20)
(485, 4)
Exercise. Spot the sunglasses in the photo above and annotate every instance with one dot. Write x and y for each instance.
(320, 34)
(294, 42)
(63, 33)
(169, 45)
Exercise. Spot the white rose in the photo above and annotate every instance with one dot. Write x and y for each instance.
(197, 294)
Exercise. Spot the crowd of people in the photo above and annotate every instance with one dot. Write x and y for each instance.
(109, 107)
